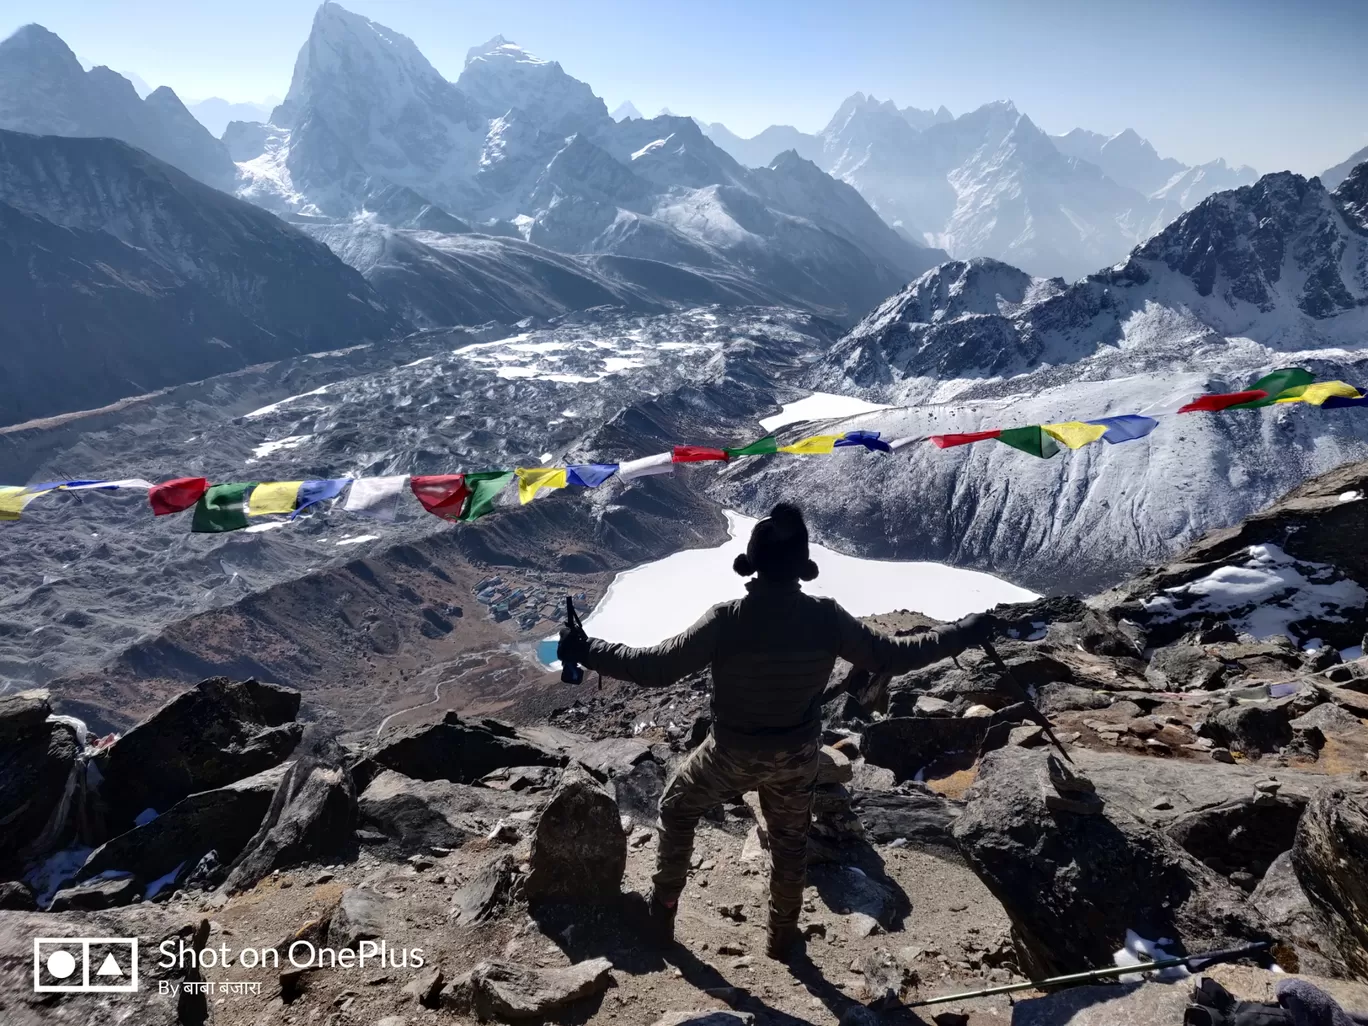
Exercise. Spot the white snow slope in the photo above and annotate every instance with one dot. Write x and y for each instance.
(1272, 275)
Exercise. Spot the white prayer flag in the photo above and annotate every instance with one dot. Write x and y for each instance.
(376, 497)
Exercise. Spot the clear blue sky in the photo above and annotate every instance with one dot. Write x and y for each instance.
(1273, 84)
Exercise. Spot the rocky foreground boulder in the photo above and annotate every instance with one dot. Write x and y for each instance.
(211, 735)
(1331, 862)
(579, 849)
(38, 776)
(461, 751)
(1074, 875)
(222, 820)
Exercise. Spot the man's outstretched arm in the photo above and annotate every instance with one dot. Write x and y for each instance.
(872, 650)
(656, 666)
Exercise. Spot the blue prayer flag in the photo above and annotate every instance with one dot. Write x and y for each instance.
(1126, 428)
(869, 439)
(589, 475)
(311, 492)
(1340, 402)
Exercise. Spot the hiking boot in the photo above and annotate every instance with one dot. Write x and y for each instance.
(783, 942)
(661, 916)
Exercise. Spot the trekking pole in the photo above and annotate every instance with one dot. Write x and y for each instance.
(572, 673)
(1191, 962)
(1022, 695)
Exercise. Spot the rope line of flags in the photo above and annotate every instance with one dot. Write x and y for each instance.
(233, 506)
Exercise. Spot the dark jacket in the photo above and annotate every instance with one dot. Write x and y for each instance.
(772, 654)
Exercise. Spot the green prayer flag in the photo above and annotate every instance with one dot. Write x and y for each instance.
(485, 486)
(1030, 439)
(758, 448)
(1281, 384)
(222, 508)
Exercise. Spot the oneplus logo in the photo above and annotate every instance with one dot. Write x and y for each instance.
(85, 965)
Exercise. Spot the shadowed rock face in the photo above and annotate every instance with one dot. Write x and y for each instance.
(1074, 883)
(462, 752)
(207, 737)
(1329, 855)
(113, 259)
(37, 759)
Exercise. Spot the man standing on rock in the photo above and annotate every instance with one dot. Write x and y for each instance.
(772, 654)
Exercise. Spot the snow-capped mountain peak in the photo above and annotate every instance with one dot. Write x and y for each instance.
(501, 76)
(348, 56)
(625, 111)
(500, 48)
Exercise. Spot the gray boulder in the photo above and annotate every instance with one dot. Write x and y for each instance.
(1058, 698)
(457, 750)
(1329, 718)
(510, 993)
(93, 895)
(1073, 883)
(906, 744)
(922, 818)
(1185, 668)
(360, 915)
(1241, 835)
(1130, 1004)
(491, 888)
(312, 818)
(1296, 922)
(1252, 728)
(1329, 856)
(221, 820)
(39, 769)
(579, 849)
(22, 715)
(423, 814)
(15, 896)
(215, 733)
(631, 770)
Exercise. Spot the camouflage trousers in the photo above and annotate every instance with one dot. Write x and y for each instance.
(785, 781)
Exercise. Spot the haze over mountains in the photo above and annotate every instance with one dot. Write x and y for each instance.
(990, 183)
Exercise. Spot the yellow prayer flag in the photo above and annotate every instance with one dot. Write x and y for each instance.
(814, 445)
(532, 479)
(273, 497)
(12, 500)
(1074, 433)
(1317, 393)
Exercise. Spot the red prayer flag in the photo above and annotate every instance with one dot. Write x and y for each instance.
(1222, 401)
(697, 454)
(946, 441)
(442, 495)
(176, 496)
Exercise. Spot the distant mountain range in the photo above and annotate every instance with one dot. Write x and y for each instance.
(990, 183)
(45, 91)
(518, 148)
(215, 113)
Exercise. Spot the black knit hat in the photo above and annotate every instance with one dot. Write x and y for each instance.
(778, 547)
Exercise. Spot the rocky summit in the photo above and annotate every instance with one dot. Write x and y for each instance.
(1209, 794)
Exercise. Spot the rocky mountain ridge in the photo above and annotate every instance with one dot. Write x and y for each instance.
(117, 261)
(45, 91)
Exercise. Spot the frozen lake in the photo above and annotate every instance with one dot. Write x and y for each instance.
(652, 602)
